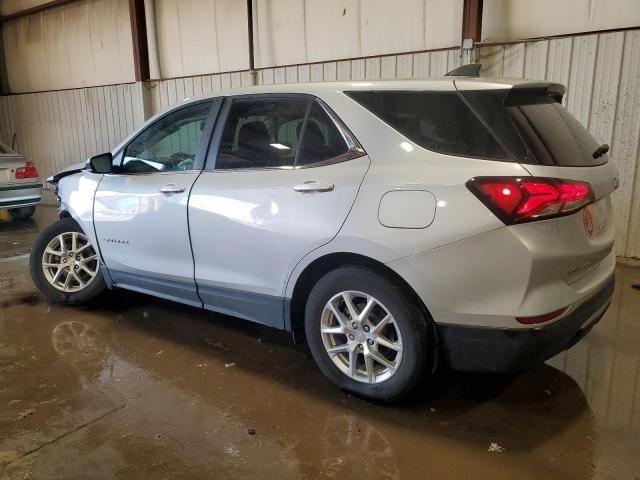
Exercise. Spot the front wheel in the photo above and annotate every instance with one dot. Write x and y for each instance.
(368, 335)
(64, 264)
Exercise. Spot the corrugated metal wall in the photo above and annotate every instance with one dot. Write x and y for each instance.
(303, 31)
(513, 19)
(78, 44)
(58, 129)
(601, 71)
(201, 36)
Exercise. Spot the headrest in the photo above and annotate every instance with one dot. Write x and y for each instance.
(253, 133)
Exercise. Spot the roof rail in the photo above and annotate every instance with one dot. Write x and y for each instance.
(469, 70)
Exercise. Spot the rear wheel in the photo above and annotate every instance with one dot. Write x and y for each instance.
(64, 264)
(368, 335)
(22, 213)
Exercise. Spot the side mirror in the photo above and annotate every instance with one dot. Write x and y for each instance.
(102, 163)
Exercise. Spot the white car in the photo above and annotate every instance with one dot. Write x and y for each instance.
(20, 184)
(396, 225)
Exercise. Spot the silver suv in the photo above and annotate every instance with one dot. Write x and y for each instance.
(396, 226)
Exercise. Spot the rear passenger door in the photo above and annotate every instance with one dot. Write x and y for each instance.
(281, 176)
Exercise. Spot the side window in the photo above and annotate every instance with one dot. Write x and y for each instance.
(322, 140)
(438, 121)
(262, 133)
(170, 144)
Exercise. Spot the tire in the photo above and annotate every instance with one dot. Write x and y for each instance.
(22, 213)
(76, 294)
(412, 333)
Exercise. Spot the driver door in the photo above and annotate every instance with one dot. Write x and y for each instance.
(140, 210)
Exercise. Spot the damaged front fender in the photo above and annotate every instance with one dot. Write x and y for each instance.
(76, 193)
(71, 170)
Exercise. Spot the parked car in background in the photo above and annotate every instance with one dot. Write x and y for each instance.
(20, 185)
(396, 225)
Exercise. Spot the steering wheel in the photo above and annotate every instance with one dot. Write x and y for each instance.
(182, 161)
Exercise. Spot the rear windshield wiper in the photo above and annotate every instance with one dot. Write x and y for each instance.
(601, 150)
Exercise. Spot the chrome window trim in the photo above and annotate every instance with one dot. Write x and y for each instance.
(354, 148)
(351, 141)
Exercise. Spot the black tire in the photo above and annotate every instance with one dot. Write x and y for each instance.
(22, 213)
(416, 327)
(95, 288)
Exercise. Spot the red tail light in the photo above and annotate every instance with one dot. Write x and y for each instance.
(518, 200)
(28, 171)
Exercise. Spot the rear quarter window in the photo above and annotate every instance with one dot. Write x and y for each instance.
(438, 121)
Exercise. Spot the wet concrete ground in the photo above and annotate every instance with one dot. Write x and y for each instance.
(135, 387)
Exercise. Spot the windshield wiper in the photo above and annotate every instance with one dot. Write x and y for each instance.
(601, 150)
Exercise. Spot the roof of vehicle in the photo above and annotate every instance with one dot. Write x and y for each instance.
(317, 88)
(434, 83)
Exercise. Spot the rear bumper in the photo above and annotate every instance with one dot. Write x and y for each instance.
(486, 349)
(16, 196)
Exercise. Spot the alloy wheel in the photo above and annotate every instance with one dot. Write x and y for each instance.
(361, 337)
(70, 262)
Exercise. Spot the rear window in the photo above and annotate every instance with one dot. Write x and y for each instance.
(438, 121)
(534, 127)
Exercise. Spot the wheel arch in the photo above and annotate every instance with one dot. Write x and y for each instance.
(295, 307)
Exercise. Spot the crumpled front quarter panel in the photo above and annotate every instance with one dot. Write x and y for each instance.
(77, 193)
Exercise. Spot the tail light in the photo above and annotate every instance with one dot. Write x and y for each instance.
(525, 199)
(28, 171)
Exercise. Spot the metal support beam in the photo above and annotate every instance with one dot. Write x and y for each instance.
(4, 73)
(139, 39)
(472, 20)
(252, 70)
(37, 9)
(152, 39)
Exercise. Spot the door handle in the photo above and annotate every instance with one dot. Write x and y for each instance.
(171, 188)
(311, 186)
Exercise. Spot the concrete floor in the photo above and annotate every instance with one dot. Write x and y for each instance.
(135, 387)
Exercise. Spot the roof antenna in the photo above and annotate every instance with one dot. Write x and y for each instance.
(469, 70)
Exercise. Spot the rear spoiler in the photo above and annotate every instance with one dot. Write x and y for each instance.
(554, 90)
(472, 70)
